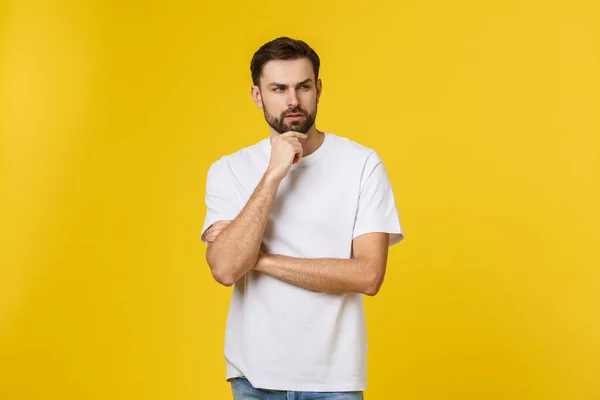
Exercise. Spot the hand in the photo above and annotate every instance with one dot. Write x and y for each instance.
(286, 149)
(215, 229)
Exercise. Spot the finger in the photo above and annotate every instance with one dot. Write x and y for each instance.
(294, 134)
(291, 139)
(296, 146)
(297, 155)
(216, 232)
(215, 229)
(220, 224)
(223, 222)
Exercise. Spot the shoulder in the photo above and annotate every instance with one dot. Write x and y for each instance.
(353, 150)
(242, 156)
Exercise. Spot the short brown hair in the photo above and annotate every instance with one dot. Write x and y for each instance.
(282, 48)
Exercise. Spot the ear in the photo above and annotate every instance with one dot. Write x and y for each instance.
(256, 96)
(319, 87)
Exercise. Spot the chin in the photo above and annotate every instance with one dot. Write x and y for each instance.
(296, 128)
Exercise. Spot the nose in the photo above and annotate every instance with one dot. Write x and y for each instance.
(292, 99)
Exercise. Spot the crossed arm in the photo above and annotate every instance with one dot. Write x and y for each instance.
(363, 273)
(234, 249)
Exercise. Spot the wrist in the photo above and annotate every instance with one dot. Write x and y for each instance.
(261, 261)
(272, 178)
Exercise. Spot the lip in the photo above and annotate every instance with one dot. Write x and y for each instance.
(294, 116)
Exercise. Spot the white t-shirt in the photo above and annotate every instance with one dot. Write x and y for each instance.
(280, 336)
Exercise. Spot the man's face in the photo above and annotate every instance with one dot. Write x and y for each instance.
(289, 95)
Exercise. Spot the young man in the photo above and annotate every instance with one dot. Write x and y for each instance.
(300, 223)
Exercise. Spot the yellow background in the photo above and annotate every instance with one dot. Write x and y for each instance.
(486, 114)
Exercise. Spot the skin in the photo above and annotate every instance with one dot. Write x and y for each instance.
(234, 247)
(286, 86)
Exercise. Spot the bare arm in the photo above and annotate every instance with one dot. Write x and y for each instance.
(235, 251)
(363, 273)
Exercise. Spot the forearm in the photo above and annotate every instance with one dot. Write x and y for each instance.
(329, 275)
(235, 251)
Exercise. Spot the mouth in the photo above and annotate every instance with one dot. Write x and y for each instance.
(294, 116)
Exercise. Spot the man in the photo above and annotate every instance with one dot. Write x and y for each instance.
(300, 223)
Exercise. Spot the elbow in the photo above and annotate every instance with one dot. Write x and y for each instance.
(227, 271)
(222, 275)
(372, 284)
(219, 272)
(226, 274)
(225, 279)
(372, 290)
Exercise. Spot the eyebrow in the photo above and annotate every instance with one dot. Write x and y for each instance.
(309, 80)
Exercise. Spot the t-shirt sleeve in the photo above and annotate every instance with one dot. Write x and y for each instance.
(220, 201)
(377, 210)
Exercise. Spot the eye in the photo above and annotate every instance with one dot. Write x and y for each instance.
(278, 89)
(304, 87)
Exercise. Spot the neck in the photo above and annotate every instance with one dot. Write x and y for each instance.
(314, 139)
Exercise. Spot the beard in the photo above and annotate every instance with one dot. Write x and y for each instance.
(281, 126)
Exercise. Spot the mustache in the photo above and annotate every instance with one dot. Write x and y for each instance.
(295, 110)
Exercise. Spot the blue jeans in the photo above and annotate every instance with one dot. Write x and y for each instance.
(243, 390)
